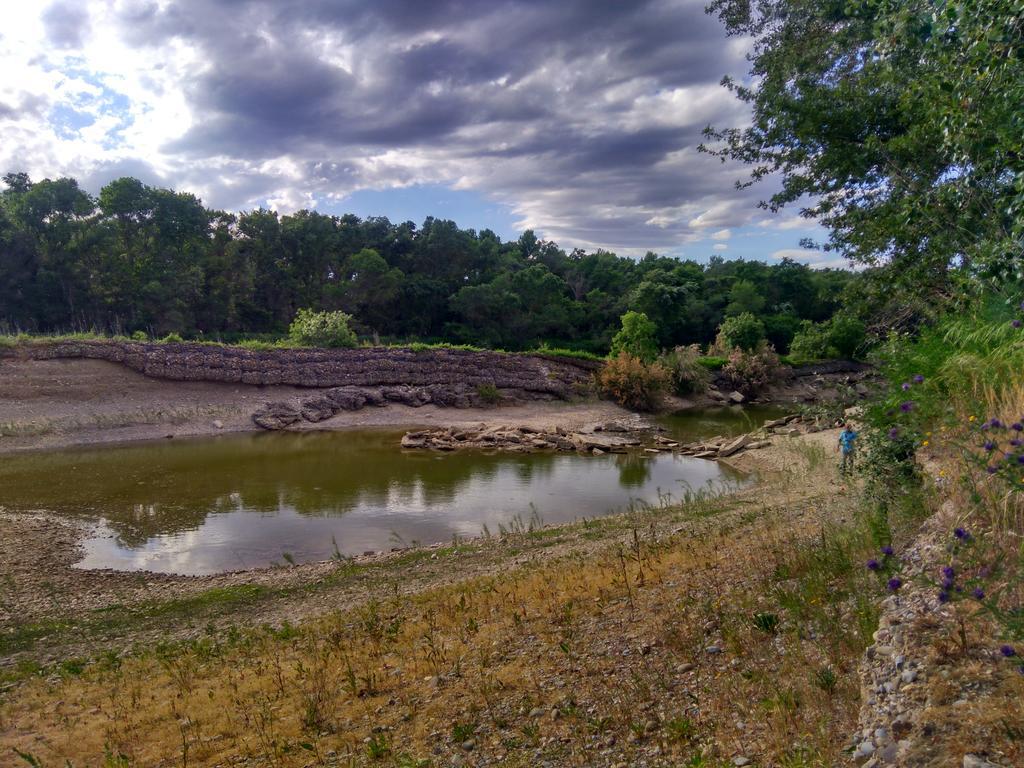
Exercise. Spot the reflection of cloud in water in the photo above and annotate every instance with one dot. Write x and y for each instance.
(205, 506)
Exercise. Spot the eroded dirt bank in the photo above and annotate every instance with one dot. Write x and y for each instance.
(62, 402)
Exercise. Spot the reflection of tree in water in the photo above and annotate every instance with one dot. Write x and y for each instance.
(168, 488)
(634, 469)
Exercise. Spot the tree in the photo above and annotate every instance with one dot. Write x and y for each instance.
(896, 123)
(744, 332)
(637, 338)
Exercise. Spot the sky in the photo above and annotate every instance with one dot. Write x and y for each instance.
(579, 119)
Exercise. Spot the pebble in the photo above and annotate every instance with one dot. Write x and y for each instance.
(712, 649)
(864, 750)
(740, 761)
(974, 761)
(909, 676)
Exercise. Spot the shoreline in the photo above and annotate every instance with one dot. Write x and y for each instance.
(50, 597)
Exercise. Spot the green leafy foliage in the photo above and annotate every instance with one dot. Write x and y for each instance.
(638, 337)
(897, 125)
(144, 259)
(840, 337)
(743, 331)
(321, 329)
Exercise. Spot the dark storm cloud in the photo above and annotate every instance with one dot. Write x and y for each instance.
(66, 23)
(527, 101)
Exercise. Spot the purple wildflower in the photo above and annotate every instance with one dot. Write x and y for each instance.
(907, 406)
(1020, 459)
(887, 550)
(1017, 442)
(979, 593)
(947, 584)
(995, 423)
(905, 386)
(1008, 651)
(873, 565)
(943, 596)
(894, 584)
(894, 433)
(948, 572)
(989, 446)
(991, 470)
(918, 379)
(1017, 426)
(961, 534)
(1016, 323)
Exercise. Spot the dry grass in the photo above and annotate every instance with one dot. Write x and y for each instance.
(587, 660)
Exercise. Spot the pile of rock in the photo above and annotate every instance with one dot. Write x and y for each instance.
(522, 439)
(597, 439)
(326, 403)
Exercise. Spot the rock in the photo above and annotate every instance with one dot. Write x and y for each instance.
(277, 415)
(712, 650)
(604, 442)
(737, 397)
(864, 750)
(730, 448)
(740, 760)
(909, 676)
(706, 455)
(714, 394)
(413, 441)
(976, 761)
(218, 424)
(318, 409)
(348, 398)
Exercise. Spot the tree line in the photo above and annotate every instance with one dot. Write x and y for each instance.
(141, 258)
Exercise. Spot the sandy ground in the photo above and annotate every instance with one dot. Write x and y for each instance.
(59, 403)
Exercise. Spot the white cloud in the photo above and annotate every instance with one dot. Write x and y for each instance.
(720, 247)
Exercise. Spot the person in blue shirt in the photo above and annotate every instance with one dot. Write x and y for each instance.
(847, 446)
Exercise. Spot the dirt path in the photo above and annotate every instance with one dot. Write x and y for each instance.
(59, 403)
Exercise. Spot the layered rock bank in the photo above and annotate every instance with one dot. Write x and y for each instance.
(349, 379)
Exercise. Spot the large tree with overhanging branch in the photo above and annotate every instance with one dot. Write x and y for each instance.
(898, 124)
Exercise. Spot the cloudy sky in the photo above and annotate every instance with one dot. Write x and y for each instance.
(577, 118)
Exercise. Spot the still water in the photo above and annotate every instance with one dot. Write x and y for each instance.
(244, 501)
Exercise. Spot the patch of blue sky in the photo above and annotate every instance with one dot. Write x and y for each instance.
(69, 117)
(761, 243)
(415, 203)
(68, 121)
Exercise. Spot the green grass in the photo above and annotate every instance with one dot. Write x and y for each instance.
(262, 344)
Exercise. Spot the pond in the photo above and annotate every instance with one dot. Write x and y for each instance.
(233, 502)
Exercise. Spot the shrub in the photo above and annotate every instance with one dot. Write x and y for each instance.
(632, 383)
(686, 370)
(842, 336)
(638, 337)
(321, 329)
(171, 338)
(750, 372)
(846, 334)
(139, 336)
(744, 332)
(488, 393)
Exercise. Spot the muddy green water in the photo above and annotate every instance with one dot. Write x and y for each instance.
(245, 501)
